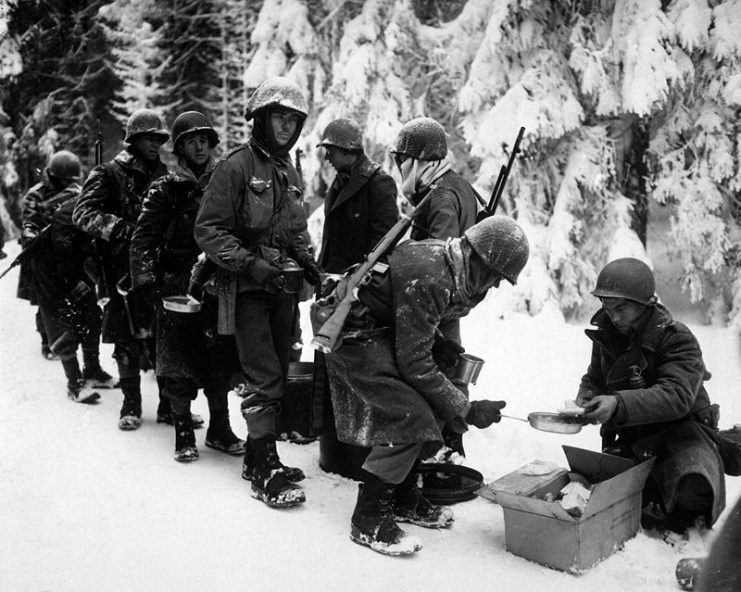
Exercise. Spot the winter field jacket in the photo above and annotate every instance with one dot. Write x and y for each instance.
(357, 214)
(107, 209)
(163, 247)
(38, 206)
(450, 211)
(670, 362)
(251, 208)
(60, 265)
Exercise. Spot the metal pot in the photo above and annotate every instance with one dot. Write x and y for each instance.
(468, 369)
(552, 422)
(292, 277)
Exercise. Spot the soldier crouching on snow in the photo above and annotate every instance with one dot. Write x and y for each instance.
(387, 390)
(163, 251)
(644, 385)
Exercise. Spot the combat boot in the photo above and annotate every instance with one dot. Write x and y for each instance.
(219, 435)
(94, 374)
(409, 505)
(270, 483)
(77, 390)
(372, 524)
(294, 474)
(185, 438)
(131, 410)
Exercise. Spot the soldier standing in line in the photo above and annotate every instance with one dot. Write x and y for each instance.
(67, 300)
(252, 224)
(60, 181)
(359, 209)
(421, 155)
(107, 209)
(190, 355)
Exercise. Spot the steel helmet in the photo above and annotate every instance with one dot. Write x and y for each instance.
(422, 138)
(627, 278)
(502, 245)
(277, 92)
(145, 121)
(344, 134)
(65, 166)
(192, 122)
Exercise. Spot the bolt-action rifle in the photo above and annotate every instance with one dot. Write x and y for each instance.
(491, 208)
(30, 250)
(332, 310)
(101, 280)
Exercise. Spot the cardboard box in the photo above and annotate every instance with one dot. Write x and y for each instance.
(544, 532)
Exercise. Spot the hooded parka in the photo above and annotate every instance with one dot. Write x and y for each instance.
(663, 408)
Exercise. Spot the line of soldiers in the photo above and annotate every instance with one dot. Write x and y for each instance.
(233, 236)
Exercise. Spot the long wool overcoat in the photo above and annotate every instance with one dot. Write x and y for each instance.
(163, 252)
(671, 416)
(386, 387)
(358, 212)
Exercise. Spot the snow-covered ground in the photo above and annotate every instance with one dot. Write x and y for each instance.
(86, 507)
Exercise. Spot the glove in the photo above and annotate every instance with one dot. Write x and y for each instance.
(79, 291)
(151, 294)
(199, 275)
(484, 413)
(265, 273)
(446, 353)
(28, 236)
(312, 272)
(122, 231)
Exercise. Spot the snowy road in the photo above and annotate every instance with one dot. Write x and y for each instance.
(86, 507)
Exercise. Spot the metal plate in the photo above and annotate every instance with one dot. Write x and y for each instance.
(185, 304)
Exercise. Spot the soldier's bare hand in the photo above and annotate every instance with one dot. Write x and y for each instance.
(600, 409)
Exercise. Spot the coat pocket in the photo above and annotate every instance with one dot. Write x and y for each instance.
(258, 205)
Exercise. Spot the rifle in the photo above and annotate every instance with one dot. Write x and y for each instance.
(326, 339)
(30, 250)
(101, 280)
(496, 193)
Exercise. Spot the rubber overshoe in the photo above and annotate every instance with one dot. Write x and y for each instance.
(275, 489)
(99, 378)
(385, 537)
(131, 418)
(294, 474)
(79, 392)
(416, 509)
(373, 525)
(227, 443)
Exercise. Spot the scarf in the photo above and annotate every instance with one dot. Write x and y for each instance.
(418, 175)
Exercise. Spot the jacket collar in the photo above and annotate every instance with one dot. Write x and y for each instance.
(360, 173)
(129, 160)
(649, 334)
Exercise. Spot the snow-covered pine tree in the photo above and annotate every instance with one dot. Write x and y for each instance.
(133, 43)
(188, 55)
(237, 21)
(63, 84)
